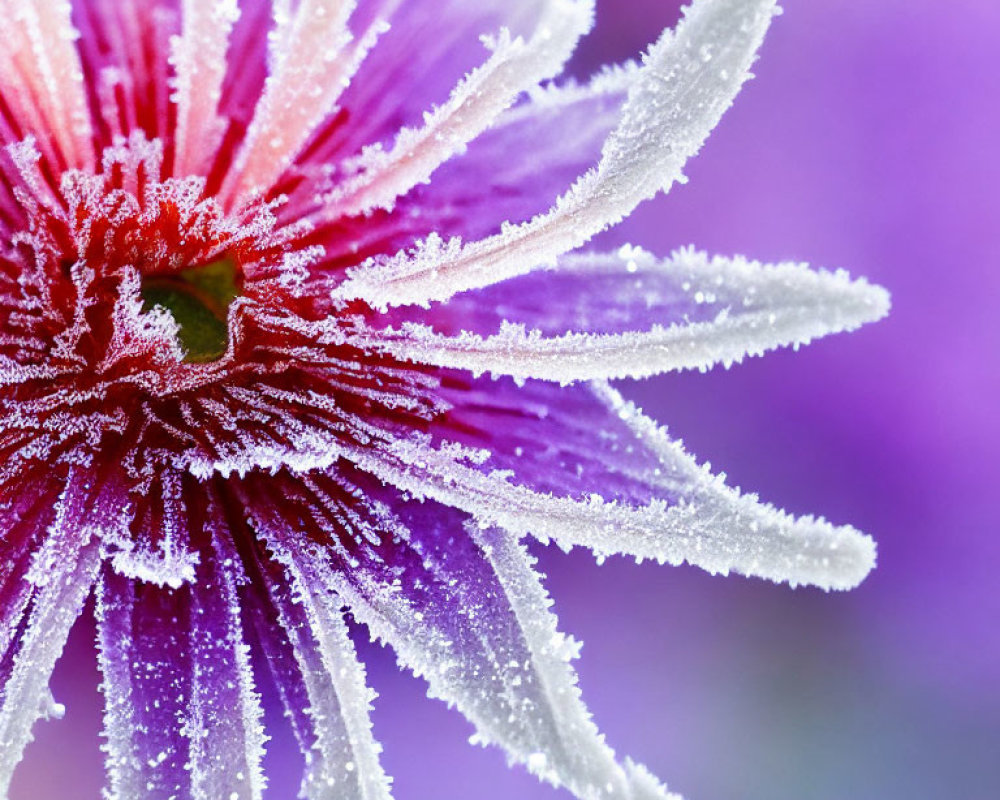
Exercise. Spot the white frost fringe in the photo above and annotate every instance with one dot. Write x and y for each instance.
(689, 78)
(757, 307)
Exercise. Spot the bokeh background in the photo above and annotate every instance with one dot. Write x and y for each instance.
(871, 140)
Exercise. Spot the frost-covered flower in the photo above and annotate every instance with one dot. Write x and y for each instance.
(288, 326)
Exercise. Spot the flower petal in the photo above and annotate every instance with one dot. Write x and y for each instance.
(199, 59)
(311, 59)
(511, 172)
(686, 312)
(671, 509)
(688, 80)
(62, 572)
(125, 55)
(42, 83)
(322, 684)
(182, 716)
(25, 517)
(462, 608)
(429, 47)
(515, 66)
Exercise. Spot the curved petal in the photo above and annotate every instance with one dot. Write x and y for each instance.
(515, 66)
(62, 573)
(533, 151)
(686, 312)
(429, 47)
(182, 717)
(690, 515)
(461, 607)
(688, 80)
(321, 682)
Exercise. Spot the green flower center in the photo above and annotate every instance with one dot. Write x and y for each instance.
(198, 299)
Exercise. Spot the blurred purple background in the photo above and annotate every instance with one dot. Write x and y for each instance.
(871, 140)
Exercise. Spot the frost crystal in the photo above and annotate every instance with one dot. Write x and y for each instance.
(294, 321)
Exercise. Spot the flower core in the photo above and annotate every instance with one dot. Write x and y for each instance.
(198, 299)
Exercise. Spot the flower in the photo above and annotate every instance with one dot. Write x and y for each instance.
(288, 328)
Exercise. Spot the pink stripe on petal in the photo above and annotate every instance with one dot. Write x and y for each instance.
(312, 60)
(125, 49)
(42, 81)
(199, 58)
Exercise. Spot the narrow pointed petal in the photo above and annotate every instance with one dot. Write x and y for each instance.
(580, 760)
(199, 59)
(144, 645)
(62, 574)
(685, 312)
(515, 66)
(464, 609)
(323, 685)
(182, 716)
(24, 519)
(563, 127)
(689, 79)
(42, 82)
(690, 515)
(430, 47)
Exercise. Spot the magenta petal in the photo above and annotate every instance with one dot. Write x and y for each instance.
(124, 50)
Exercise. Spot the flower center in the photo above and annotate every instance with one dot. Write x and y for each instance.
(198, 298)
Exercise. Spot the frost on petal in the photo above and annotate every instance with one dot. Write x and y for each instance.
(302, 631)
(635, 493)
(199, 58)
(429, 47)
(515, 65)
(182, 716)
(125, 54)
(689, 78)
(61, 575)
(461, 607)
(685, 312)
(311, 58)
(42, 82)
(26, 513)
(529, 155)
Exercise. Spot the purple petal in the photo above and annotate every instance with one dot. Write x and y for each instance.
(429, 48)
(518, 167)
(461, 607)
(322, 685)
(182, 717)
(62, 572)
(628, 314)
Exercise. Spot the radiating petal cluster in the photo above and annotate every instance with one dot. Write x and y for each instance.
(294, 321)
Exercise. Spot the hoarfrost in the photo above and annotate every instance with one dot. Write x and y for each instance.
(320, 466)
(675, 101)
(752, 308)
(515, 66)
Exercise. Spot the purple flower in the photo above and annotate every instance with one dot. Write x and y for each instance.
(290, 326)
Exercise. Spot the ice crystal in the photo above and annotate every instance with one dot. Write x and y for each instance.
(293, 322)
